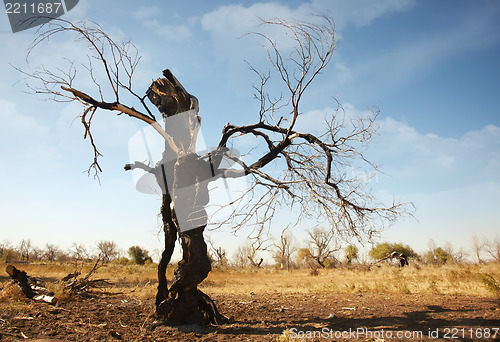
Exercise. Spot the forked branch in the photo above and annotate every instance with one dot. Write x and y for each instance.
(108, 65)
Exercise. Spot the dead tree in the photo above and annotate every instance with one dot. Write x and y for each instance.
(25, 249)
(322, 244)
(219, 252)
(79, 252)
(312, 175)
(254, 263)
(22, 279)
(179, 169)
(477, 247)
(248, 253)
(284, 249)
(318, 175)
(108, 250)
(257, 244)
(493, 248)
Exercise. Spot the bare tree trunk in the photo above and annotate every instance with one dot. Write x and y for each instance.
(183, 303)
(170, 237)
(186, 304)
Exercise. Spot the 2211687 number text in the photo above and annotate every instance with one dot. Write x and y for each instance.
(40, 8)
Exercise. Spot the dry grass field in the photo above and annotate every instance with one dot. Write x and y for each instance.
(382, 304)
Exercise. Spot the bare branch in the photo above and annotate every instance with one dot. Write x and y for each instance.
(109, 66)
(323, 175)
(86, 99)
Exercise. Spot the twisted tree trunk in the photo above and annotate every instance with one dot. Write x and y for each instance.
(182, 176)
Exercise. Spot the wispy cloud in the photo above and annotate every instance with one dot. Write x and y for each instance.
(14, 122)
(26, 142)
(167, 32)
(433, 162)
(356, 12)
(228, 23)
(420, 56)
(450, 215)
(147, 12)
(453, 182)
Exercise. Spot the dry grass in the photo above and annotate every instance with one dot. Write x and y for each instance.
(11, 293)
(482, 280)
(140, 281)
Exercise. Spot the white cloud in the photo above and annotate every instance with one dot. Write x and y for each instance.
(170, 33)
(313, 121)
(227, 23)
(357, 12)
(431, 162)
(228, 27)
(173, 33)
(453, 182)
(26, 145)
(14, 123)
(80, 11)
(147, 12)
(344, 74)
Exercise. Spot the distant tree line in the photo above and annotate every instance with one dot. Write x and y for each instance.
(321, 249)
(107, 251)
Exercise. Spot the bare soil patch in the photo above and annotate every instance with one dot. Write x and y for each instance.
(260, 317)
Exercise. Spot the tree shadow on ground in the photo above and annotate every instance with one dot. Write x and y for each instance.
(420, 322)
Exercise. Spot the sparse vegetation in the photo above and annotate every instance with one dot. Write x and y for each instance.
(260, 290)
(475, 280)
(437, 272)
(492, 284)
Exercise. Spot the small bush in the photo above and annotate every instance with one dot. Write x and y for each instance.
(60, 292)
(490, 283)
(123, 261)
(314, 272)
(433, 288)
(286, 337)
(403, 288)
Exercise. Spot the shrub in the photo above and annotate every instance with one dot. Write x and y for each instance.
(139, 255)
(384, 249)
(490, 283)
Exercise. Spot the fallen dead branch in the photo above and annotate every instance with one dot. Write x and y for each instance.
(72, 285)
(75, 286)
(31, 287)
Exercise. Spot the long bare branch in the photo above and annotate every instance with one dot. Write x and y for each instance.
(123, 109)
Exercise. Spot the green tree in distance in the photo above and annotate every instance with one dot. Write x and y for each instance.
(384, 249)
(139, 255)
(351, 253)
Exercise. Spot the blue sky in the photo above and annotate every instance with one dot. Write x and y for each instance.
(430, 66)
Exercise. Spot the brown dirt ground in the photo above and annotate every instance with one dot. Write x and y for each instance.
(260, 318)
